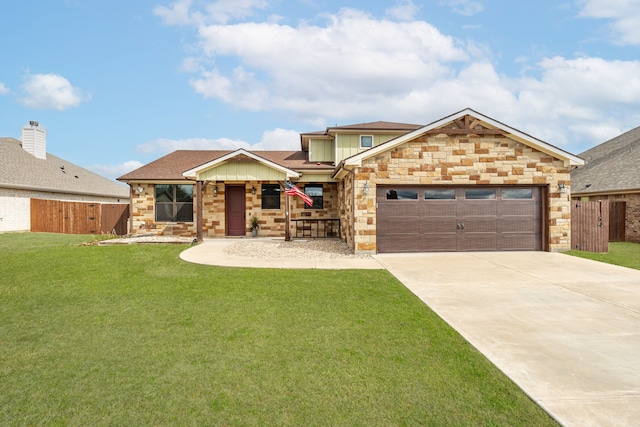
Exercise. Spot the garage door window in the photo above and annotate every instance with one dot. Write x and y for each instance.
(440, 194)
(517, 193)
(480, 194)
(402, 195)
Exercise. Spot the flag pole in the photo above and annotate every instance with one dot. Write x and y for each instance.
(287, 231)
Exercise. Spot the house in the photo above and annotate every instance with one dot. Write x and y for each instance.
(463, 183)
(29, 173)
(612, 172)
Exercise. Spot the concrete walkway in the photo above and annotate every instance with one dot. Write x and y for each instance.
(211, 252)
(565, 329)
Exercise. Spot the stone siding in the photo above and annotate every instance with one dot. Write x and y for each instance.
(444, 160)
(272, 221)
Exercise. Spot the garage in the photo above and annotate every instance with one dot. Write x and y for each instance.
(451, 219)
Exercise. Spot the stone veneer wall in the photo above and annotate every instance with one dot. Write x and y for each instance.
(272, 221)
(444, 160)
(632, 213)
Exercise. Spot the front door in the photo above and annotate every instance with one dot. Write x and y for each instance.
(235, 210)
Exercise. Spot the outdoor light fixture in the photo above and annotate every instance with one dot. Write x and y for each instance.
(140, 190)
(365, 190)
(215, 189)
(562, 187)
(253, 190)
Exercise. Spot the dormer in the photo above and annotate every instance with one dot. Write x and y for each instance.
(339, 142)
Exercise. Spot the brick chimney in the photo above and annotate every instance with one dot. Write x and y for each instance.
(34, 140)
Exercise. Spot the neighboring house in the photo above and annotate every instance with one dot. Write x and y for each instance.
(612, 172)
(465, 182)
(29, 172)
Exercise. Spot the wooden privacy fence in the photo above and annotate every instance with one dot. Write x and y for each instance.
(617, 221)
(55, 216)
(590, 226)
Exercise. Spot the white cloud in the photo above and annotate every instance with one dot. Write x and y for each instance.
(623, 17)
(115, 171)
(50, 91)
(405, 10)
(463, 7)
(355, 67)
(182, 12)
(3, 89)
(307, 69)
(277, 139)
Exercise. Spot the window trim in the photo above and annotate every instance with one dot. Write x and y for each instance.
(366, 136)
(175, 204)
(277, 188)
(316, 199)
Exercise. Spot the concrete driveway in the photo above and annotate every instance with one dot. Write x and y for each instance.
(565, 329)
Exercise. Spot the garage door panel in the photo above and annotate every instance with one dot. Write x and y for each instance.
(516, 225)
(478, 242)
(478, 225)
(483, 208)
(437, 225)
(402, 225)
(438, 209)
(509, 208)
(444, 242)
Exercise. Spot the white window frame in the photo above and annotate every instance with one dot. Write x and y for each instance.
(366, 136)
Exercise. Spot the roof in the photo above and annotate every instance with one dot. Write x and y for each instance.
(612, 167)
(21, 170)
(174, 165)
(483, 120)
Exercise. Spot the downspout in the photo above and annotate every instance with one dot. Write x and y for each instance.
(130, 209)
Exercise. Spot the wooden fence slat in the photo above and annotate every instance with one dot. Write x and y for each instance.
(617, 221)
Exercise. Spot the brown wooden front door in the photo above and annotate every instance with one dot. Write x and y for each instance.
(235, 210)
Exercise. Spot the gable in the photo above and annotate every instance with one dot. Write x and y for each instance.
(240, 165)
(468, 122)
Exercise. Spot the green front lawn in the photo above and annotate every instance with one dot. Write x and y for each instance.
(620, 253)
(131, 335)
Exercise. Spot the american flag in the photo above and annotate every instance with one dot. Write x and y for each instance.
(292, 190)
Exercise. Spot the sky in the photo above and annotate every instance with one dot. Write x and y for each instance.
(120, 83)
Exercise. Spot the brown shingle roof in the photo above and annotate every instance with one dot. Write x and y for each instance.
(613, 166)
(22, 170)
(173, 165)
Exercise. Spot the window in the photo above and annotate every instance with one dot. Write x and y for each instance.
(517, 193)
(366, 141)
(270, 196)
(174, 203)
(315, 192)
(483, 194)
(440, 194)
(402, 195)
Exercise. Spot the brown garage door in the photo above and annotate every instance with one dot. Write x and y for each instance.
(430, 219)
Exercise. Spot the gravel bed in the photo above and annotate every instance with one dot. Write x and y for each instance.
(294, 249)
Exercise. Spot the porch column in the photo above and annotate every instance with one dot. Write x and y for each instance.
(199, 211)
(287, 216)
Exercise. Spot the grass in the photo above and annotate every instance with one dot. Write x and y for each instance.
(620, 253)
(131, 335)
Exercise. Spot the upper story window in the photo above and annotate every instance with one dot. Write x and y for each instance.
(270, 196)
(366, 141)
(174, 203)
(315, 192)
